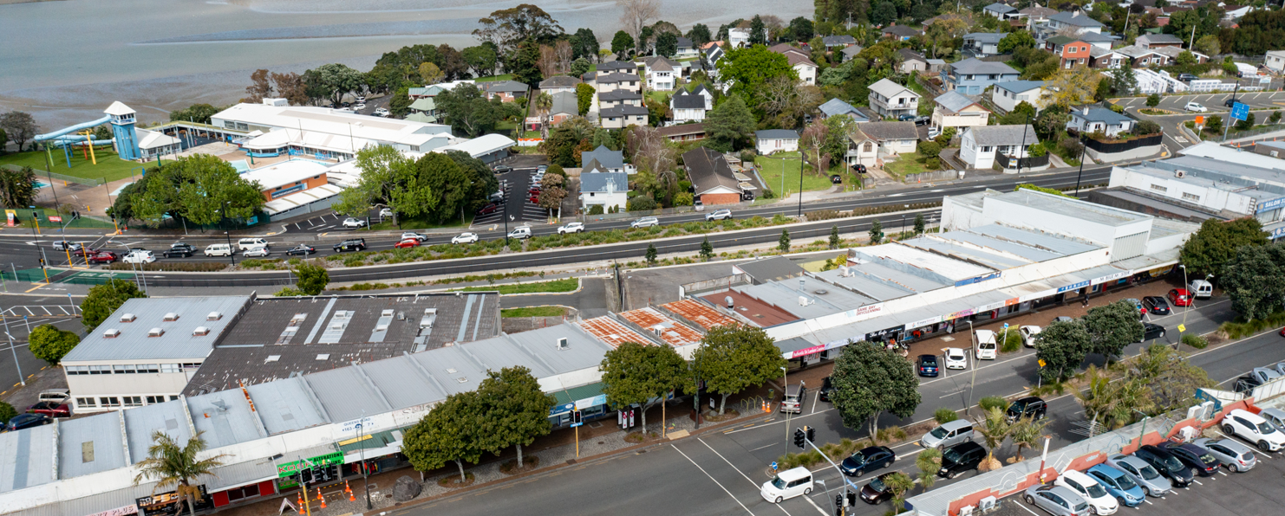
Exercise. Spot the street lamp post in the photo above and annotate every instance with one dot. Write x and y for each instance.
(800, 182)
(231, 253)
(1083, 148)
(786, 375)
(365, 479)
(972, 337)
(21, 378)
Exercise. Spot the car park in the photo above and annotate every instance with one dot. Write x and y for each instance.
(351, 244)
(464, 238)
(406, 244)
(875, 491)
(956, 358)
(102, 257)
(787, 484)
(1119, 485)
(960, 458)
(1156, 305)
(644, 222)
(948, 434)
(21, 421)
(867, 460)
(986, 348)
(139, 257)
(1100, 501)
(1264, 375)
(523, 232)
(793, 397)
(1195, 107)
(301, 250)
(827, 387)
(51, 409)
(1029, 333)
(256, 252)
(573, 227)
(1197, 460)
(354, 223)
(1250, 427)
(1236, 457)
(1166, 464)
(723, 214)
(1180, 297)
(218, 250)
(927, 366)
(1152, 331)
(1056, 500)
(1029, 406)
(247, 243)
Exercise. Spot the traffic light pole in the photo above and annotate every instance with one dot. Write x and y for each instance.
(805, 439)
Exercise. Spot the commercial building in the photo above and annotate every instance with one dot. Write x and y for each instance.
(288, 177)
(275, 128)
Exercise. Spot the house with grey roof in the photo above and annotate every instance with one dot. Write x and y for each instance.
(890, 99)
(662, 72)
(839, 41)
(1089, 120)
(609, 160)
(1001, 11)
(1075, 21)
(850, 52)
(981, 44)
(616, 98)
(912, 61)
(870, 143)
(837, 107)
(776, 140)
(606, 189)
(1007, 95)
(559, 83)
(565, 105)
(507, 91)
(687, 107)
(972, 76)
(621, 117)
(954, 109)
(980, 146)
(900, 32)
(686, 49)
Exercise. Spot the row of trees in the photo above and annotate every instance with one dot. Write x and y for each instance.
(436, 187)
(201, 188)
(1105, 330)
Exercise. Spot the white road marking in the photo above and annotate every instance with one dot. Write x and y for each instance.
(814, 504)
(711, 477)
(1197, 481)
(764, 446)
(1023, 506)
(816, 399)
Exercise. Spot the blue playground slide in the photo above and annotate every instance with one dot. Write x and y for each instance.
(58, 137)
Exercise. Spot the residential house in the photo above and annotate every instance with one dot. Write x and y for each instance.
(617, 98)
(1236, 12)
(1075, 21)
(704, 92)
(850, 53)
(1105, 59)
(954, 109)
(1089, 120)
(713, 180)
(507, 91)
(608, 160)
(900, 32)
(1171, 54)
(683, 132)
(890, 99)
(606, 189)
(628, 67)
(870, 143)
(972, 76)
(1001, 11)
(980, 146)
(799, 60)
(837, 107)
(612, 81)
(559, 83)
(661, 72)
(1275, 60)
(776, 140)
(1007, 95)
(912, 62)
(433, 90)
(1073, 53)
(842, 41)
(565, 105)
(1036, 15)
(738, 37)
(686, 50)
(981, 44)
(426, 106)
(1139, 57)
(687, 107)
(1054, 43)
(1152, 41)
(620, 117)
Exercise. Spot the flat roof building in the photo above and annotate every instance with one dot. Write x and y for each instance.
(325, 132)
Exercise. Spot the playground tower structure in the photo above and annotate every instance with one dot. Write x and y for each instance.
(123, 130)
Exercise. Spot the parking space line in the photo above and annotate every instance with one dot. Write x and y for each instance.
(1024, 507)
(1196, 481)
(816, 398)
(1148, 502)
(711, 477)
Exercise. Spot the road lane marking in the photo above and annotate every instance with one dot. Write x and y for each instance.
(814, 504)
(816, 399)
(764, 446)
(711, 477)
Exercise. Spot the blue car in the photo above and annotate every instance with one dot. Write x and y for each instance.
(1118, 484)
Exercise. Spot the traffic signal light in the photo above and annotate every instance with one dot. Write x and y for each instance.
(838, 505)
(812, 433)
(852, 497)
(575, 417)
(305, 475)
(799, 436)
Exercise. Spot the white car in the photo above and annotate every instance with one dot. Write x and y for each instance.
(256, 251)
(381, 112)
(1253, 428)
(520, 233)
(719, 215)
(413, 235)
(1102, 502)
(464, 238)
(645, 222)
(361, 99)
(385, 213)
(574, 227)
(139, 257)
(353, 222)
(1028, 335)
(956, 358)
(986, 348)
(358, 107)
(1193, 106)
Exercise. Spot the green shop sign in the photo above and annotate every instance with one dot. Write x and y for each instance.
(291, 469)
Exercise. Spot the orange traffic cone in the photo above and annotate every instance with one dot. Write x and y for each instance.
(300, 498)
(352, 497)
(319, 497)
(346, 488)
(323, 503)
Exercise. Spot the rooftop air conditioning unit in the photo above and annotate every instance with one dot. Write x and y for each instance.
(803, 300)
(986, 504)
(111, 334)
(562, 343)
(155, 332)
(1180, 174)
(844, 271)
(214, 316)
(171, 316)
(128, 317)
(730, 303)
(200, 331)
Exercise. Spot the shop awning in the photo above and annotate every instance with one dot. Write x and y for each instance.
(584, 396)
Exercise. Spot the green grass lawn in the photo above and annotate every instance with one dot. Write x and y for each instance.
(658, 96)
(109, 167)
(770, 169)
(501, 77)
(421, 223)
(907, 163)
(562, 285)
(534, 311)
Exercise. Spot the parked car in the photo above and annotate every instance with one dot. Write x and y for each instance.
(1063, 318)
(948, 435)
(1246, 383)
(102, 257)
(139, 257)
(535, 199)
(1186, 77)
(1231, 101)
(51, 409)
(21, 421)
(247, 243)
(1195, 107)
(1201, 289)
(986, 348)
(1250, 427)
(177, 252)
(573, 227)
(464, 238)
(956, 358)
(787, 484)
(723, 214)
(1142, 474)
(500, 169)
(905, 118)
(867, 460)
(644, 222)
(960, 458)
(1264, 374)
(1235, 456)
(256, 252)
(351, 244)
(1152, 331)
(1029, 406)
(793, 397)
(406, 244)
(1274, 416)
(926, 365)
(875, 491)
(354, 223)
(381, 112)
(1166, 464)
(1029, 333)
(836, 179)
(1156, 305)
(859, 168)
(301, 250)
(1056, 500)
(1197, 460)
(55, 395)
(523, 232)
(826, 388)
(1100, 501)
(1118, 484)
(1180, 297)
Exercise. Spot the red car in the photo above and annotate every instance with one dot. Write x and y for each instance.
(102, 257)
(82, 252)
(535, 199)
(409, 242)
(1180, 297)
(490, 208)
(51, 409)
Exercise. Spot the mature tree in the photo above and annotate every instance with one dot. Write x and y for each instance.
(481, 180)
(699, 34)
(4, 141)
(451, 62)
(749, 69)
(666, 44)
(1123, 82)
(200, 188)
(1255, 280)
(1062, 346)
(729, 125)
(634, 15)
(1208, 45)
(783, 243)
(506, 28)
(311, 277)
(834, 236)
(944, 33)
(336, 80)
(430, 74)
(758, 31)
(651, 152)
(104, 299)
(482, 59)
(994, 428)
(388, 179)
(898, 484)
(451, 432)
(812, 142)
(177, 468)
(555, 58)
(1015, 40)
(444, 186)
(707, 250)
(542, 104)
(568, 140)
(551, 192)
(869, 381)
(515, 409)
(1216, 243)
(17, 186)
(1073, 86)
(50, 344)
(651, 254)
(801, 29)
(579, 67)
(621, 44)
(399, 104)
(584, 44)
(876, 232)
(468, 110)
(524, 63)
(785, 102)
(199, 113)
(733, 358)
(20, 127)
(1112, 327)
(1027, 433)
(883, 14)
(919, 224)
(639, 374)
(260, 87)
(290, 86)
(6, 412)
(584, 98)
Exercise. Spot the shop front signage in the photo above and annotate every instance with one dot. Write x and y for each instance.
(1111, 277)
(961, 313)
(561, 409)
(119, 511)
(352, 426)
(1277, 233)
(170, 503)
(865, 310)
(1073, 286)
(925, 322)
(291, 468)
(600, 399)
(883, 333)
(1269, 205)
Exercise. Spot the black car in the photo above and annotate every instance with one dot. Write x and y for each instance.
(29, 420)
(1030, 406)
(921, 120)
(500, 169)
(960, 458)
(826, 389)
(1168, 465)
(301, 250)
(859, 168)
(1152, 331)
(906, 118)
(875, 492)
(352, 244)
(177, 252)
(184, 246)
(1229, 102)
(1156, 305)
(1247, 383)
(836, 179)
(1196, 459)
(926, 365)
(867, 460)
(1186, 77)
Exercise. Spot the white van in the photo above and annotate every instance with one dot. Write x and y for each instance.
(218, 250)
(250, 243)
(1201, 289)
(986, 347)
(788, 484)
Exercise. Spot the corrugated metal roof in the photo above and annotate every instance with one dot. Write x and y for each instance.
(142, 422)
(225, 418)
(346, 393)
(608, 330)
(1038, 240)
(672, 332)
(285, 406)
(177, 343)
(699, 313)
(403, 383)
(26, 458)
(90, 445)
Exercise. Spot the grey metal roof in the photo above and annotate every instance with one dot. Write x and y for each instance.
(1077, 19)
(889, 89)
(402, 381)
(616, 66)
(851, 51)
(25, 458)
(559, 81)
(1037, 240)
(901, 31)
(1073, 208)
(771, 269)
(954, 101)
(836, 106)
(999, 8)
(90, 445)
(685, 100)
(1098, 114)
(991, 135)
(177, 343)
(225, 417)
(834, 41)
(286, 405)
(604, 182)
(241, 473)
(985, 37)
(684, 42)
(888, 131)
(973, 65)
(866, 284)
(505, 86)
(822, 298)
(346, 392)
(776, 134)
(620, 94)
(1019, 86)
(565, 102)
(607, 157)
(605, 78)
(624, 110)
(141, 422)
(946, 245)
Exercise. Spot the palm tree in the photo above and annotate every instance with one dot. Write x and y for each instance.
(900, 484)
(177, 467)
(928, 462)
(994, 428)
(1027, 433)
(543, 103)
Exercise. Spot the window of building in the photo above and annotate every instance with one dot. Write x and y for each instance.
(109, 401)
(155, 399)
(1190, 197)
(123, 368)
(243, 492)
(133, 401)
(77, 369)
(100, 369)
(173, 397)
(986, 149)
(85, 402)
(170, 368)
(147, 368)
(1159, 188)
